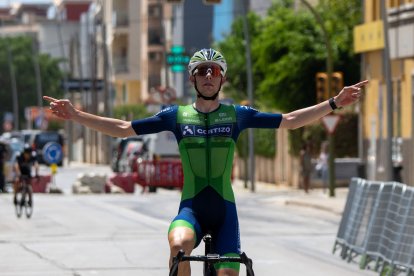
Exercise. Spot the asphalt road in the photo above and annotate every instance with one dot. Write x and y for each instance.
(127, 234)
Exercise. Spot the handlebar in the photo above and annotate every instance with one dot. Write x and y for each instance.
(213, 258)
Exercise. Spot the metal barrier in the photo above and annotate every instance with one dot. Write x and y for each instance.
(378, 226)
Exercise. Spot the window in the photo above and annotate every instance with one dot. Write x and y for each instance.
(154, 11)
(154, 56)
(154, 36)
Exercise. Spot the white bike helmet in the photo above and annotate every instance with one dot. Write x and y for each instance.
(207, 56)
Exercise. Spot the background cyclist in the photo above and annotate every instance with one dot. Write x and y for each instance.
(23, 166)
(206, 132)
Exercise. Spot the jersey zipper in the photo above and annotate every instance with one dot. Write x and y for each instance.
(208, 169)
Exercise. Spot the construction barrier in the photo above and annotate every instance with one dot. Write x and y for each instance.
(161, 173)
(39, 185)
(377, 227)
(126, 181)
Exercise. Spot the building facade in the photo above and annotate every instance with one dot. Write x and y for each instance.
(386, 45)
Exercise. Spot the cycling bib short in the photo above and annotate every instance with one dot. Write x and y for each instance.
(206, 143)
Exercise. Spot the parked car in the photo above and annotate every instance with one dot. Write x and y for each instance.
(132, 151)
(29, 135)
(119, 147)
(13, 148)
(44, 137)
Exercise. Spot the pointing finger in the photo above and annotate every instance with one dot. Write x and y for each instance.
(49, 99)
(360, 84)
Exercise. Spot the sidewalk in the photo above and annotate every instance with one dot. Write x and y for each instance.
(287, 195)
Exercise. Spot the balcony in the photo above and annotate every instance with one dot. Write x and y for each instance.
(120, 19)
(120, 64)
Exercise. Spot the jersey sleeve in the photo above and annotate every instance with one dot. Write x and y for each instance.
(248, 117)
(165, 120)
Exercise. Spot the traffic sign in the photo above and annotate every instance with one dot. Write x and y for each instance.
(330, 122)
(177, 58)
(52, 153)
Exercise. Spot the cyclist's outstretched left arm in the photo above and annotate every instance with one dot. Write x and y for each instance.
(348, 95)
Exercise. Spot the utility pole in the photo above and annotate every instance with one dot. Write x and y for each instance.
(106, 91)
(94, 100)
(14, 89)
(329, 71)
(390, 110)
(68, 124)
(164, 40)
(35, 51)
(82, 91)
(251, 168)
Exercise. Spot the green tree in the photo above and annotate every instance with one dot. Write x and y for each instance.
(340, 17)
(22, 60)
(233, 48)
(288, 49)
(131, 111)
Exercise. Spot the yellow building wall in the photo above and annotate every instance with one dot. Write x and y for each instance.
(118, 85)
(372, 96)
(134, 88)
(371, 108)
(401, 70)
(406, 99)
(369, 37)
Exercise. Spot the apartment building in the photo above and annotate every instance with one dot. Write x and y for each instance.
(137, 39)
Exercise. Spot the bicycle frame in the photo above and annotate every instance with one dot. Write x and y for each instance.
(210, 259)
(22, 202)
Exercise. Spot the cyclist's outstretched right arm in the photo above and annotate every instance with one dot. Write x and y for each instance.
(109, 126)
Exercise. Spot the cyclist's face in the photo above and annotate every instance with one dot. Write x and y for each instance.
(208, 78)
(26, 155)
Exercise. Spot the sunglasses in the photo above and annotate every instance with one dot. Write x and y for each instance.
(213, 70)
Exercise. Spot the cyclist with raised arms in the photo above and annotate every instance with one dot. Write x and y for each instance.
(206, 132)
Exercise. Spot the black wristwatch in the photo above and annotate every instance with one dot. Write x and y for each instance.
(332, 103)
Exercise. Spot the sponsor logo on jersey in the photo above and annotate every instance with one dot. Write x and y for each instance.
(188, 130)
(223, 120)
(200, 131)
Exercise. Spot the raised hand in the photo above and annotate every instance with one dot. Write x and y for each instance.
(350, 94)
(61, 108)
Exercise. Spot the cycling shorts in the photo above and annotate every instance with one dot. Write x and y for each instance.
(209, 213)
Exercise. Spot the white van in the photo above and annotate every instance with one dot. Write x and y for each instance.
(162, 145)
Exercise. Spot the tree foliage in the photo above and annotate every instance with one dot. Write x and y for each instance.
(288, 49)
(131, 112)
(21, 53)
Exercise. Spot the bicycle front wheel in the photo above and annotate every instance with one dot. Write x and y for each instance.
(29, 208)
(18, 206)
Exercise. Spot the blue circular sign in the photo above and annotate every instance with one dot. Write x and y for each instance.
(52, 153)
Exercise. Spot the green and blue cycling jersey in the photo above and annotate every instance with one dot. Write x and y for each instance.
(206, 143)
